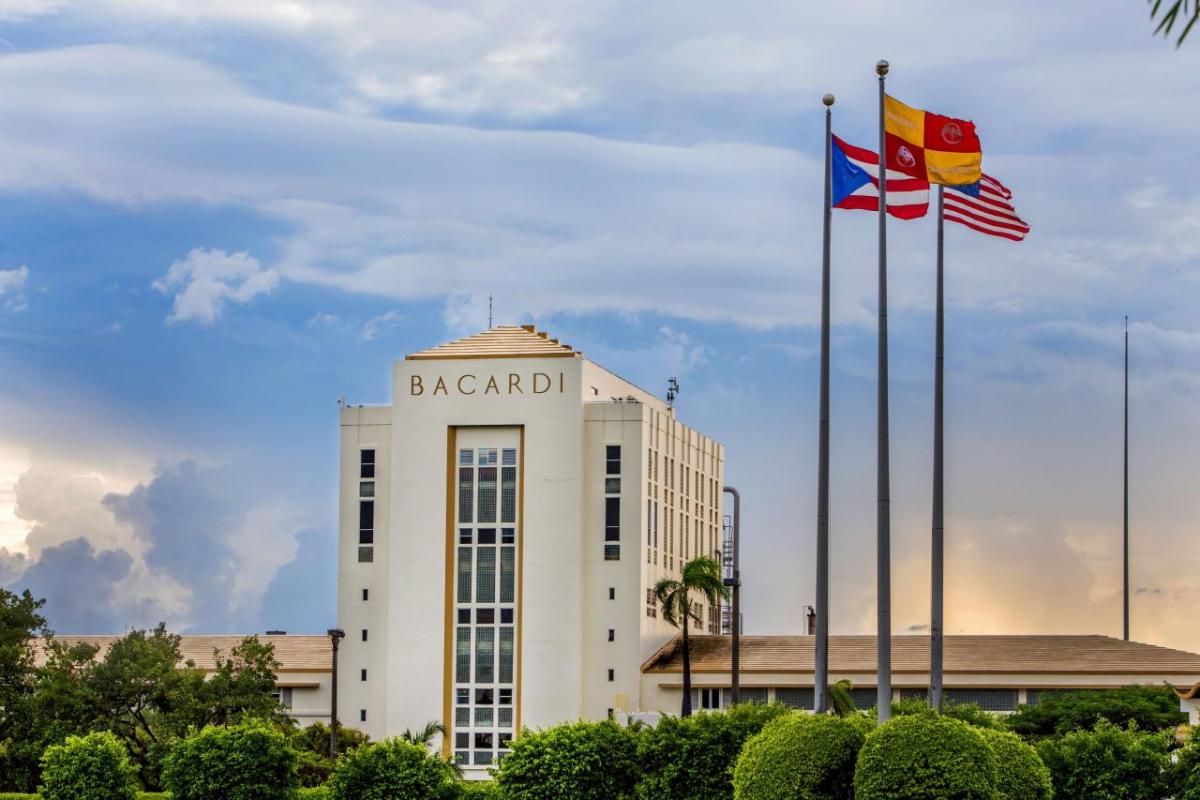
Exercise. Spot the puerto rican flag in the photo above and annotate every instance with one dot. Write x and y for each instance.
(985, 207)
(856, 184)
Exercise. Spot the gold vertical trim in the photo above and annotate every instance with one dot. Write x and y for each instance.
(520, 578)
(448, 655)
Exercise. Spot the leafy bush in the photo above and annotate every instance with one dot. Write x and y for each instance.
(244, 762)
(92, 767)
(969, 713)
(479, 790)
(692, 758)
(1021, 774)
(800, 756)
(579, 760)
(1186, 774)
(1109, 762)
(925, 757)
(314, 793)
(391, 770)
(1151, 708)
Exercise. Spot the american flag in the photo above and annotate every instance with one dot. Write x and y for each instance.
(990, 212)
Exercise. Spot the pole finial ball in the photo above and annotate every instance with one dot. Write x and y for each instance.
(881, 67)
(828, 100)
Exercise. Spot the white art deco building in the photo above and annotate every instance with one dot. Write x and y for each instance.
(502, 522)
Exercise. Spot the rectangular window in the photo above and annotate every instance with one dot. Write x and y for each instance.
(611, 675)
(987, 699)
(508, 457)
(366, 463)
(364, 634)
(612, 552)
(508, 494)
(612, 519)
(612, 593)
(366, 488)
(506, 655)
(487, 494)
(466, 491)
(487, 456)
(485, 655)
(366, 594)
(464, 574)
(801, 698)
(462, 655)
(466, 458)
(508, 535)
(504, 719)
(487, 535)
(366, 521)
(464, 616)
(483, 717)
(485, 577)
(364, 675)
(366, 555)
(612, 458)
(362, 715)
(612, 485)
(485, 616)
(507, 582)
(612, 635)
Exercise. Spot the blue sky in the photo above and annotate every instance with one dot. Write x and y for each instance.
(217, 217)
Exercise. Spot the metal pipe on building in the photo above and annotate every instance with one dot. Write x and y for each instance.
(735, 584)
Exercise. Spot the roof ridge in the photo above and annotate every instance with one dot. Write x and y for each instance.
(502, 341)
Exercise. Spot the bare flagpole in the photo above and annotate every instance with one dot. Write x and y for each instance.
(883, 525)
(1125, 596)
(936, 622)
(821, 646)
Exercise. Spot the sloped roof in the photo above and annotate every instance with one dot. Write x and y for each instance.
(504, 341)
(1082, 655)
(294, 653)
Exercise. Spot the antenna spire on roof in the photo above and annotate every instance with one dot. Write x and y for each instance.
(490, 325)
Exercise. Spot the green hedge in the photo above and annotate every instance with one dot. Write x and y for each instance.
(479, 790)
(1186, 777)
(1107, 762)
(925, 757)
(314, 793)
(578, 760)
(800, 756)
(240, 762)
(390, 770)
(92, 767)
(1021, 774)
(692, 758)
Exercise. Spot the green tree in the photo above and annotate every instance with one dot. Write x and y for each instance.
(700, 575)
(92, 767)
(801, 757)
(841, 702)
(1109, 762)
(577, 760)
(691, 758)
(1151, 708)
(1022, 775)
(424, 736)
(21, 625)
(925, 757)
(252, 761)
(391, 770)
(243, 686)
(1184, 13)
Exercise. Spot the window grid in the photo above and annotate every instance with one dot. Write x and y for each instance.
(485, 669)
(366, 507)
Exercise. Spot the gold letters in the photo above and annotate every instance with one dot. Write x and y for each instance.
(468, 384)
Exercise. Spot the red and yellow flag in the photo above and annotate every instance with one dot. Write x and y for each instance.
(926, 145)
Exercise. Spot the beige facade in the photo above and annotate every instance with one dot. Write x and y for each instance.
(494, 565)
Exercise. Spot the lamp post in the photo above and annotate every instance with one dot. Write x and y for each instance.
(335, 637)
(735, 584)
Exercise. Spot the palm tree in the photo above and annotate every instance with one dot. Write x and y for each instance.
(701, 575)
(424, 736)
(1184, 12)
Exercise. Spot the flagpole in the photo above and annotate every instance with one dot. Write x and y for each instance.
(883, 531)
(1125, 596)
(936, 621)
(821, 646)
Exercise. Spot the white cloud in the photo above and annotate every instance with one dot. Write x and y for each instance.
(205, 280)
(378, 326)
(12, 288)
